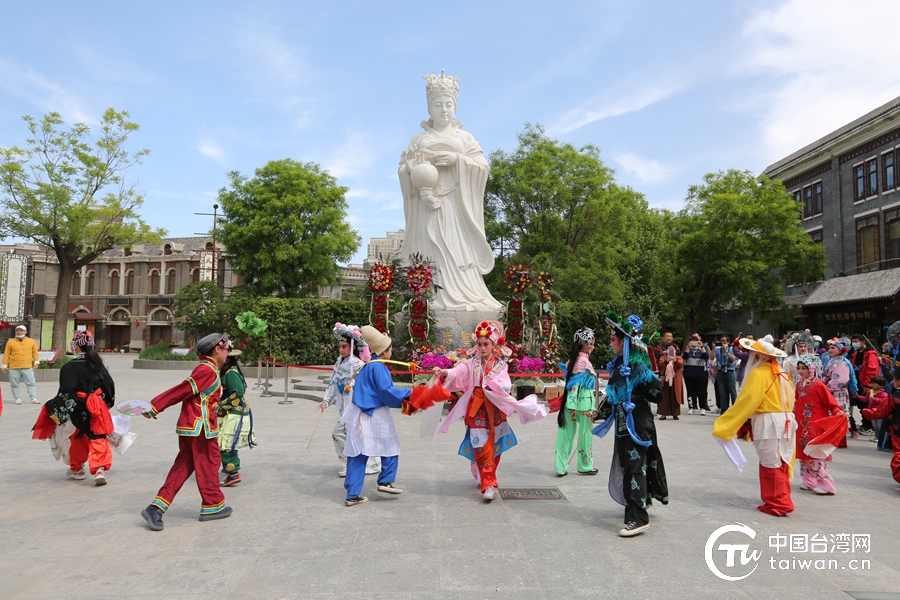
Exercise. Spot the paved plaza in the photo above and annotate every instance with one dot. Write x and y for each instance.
(292, 537)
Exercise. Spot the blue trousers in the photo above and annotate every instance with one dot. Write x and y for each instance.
(356, 473)
(726, 387)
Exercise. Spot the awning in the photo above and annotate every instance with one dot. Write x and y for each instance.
(865, 287)
(165, 323)
(86, 316)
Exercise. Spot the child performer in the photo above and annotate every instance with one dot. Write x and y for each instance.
(197, 429)
(485, 404)
(577, 407)
(353, 355)
(889, 411)
(370, 428)
(813, 403)
(236, 428)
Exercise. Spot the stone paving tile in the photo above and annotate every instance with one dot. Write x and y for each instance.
(292, 537)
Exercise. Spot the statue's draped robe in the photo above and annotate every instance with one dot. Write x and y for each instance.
(452, 236)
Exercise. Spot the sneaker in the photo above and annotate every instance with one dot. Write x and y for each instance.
(875, 440)
(867, 431)
(232, 479)
(690, 411)
(702, 413)
(854, 434)
(489, 494)
(631, 529)
(389, 488)
(355, 500)
(342, 472)
(372, 470)
(35, 401)
(18, 401)
(222, 514)
(803, 486)
(100, 477)
(822, 492)
(153, 516)
(591, 472)
(73, 474)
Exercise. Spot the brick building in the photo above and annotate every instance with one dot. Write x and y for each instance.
(847, 183)
(124, 297)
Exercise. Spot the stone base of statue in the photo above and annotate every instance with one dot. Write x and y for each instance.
(453, 328)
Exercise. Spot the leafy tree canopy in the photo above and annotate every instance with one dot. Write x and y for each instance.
(285, 228)
(734, 245)
(201, 307)
(66, 190)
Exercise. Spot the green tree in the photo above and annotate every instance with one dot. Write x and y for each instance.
(285, 229)
(67, 191)
(734, 245)
(201, 308)
(559, 206)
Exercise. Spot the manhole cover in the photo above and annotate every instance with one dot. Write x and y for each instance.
(531, 493)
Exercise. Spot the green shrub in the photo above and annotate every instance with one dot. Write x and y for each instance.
(162, 351)
(299, 328)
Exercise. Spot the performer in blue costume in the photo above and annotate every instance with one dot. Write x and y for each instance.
(637, 474)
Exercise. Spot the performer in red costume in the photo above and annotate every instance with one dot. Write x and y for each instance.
(197, 429)
(818, 434)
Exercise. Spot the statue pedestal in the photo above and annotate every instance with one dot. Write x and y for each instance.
(453, 328)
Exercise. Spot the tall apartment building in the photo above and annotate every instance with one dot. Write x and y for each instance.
(847, 183)
(385, 248)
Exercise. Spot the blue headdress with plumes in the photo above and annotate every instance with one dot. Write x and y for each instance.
(634, 369)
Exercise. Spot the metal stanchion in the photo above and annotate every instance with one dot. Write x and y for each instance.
(266, 393)
(258, 374)
(285, 400)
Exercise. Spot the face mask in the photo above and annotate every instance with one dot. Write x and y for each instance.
(855, 345)
(20, 336)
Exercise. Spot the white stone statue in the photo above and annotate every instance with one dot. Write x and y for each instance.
(442, 174)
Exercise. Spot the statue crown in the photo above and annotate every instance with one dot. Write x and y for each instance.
(441, 84)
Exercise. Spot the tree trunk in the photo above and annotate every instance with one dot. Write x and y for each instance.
(61, 315)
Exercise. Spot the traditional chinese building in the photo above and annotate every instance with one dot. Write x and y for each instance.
(848, 185)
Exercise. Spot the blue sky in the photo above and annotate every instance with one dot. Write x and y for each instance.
(668, 90)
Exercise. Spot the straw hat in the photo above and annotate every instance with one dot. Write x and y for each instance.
(762, 346)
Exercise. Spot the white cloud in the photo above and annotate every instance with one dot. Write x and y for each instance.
(48, 95)
(619, 100)
(645, 170)
(211, 149)
(825, 64)
(353, 157)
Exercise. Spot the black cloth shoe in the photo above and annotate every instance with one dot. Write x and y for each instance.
(632, 529)
(591, 472)
(232, 479)
(153, 516)
(355, 500)
(222, 514)
(562, 474)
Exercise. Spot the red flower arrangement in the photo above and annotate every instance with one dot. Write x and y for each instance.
(419, 280)
(381, 280)
(519, 279)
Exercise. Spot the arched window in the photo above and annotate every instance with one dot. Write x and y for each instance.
(195, 275)
(209, 245)
(113, 283)
(127, 251)
(76, 284)
(154, 281)
(170, 282)
(167, 249)
(129, 282)
(89, 284)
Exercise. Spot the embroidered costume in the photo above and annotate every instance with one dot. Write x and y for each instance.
(197, 429)
(671, 381)
(235, 419)
(337, 393)
(767, 399)
(575, 416)
(485, 406)
(813, 404)
(889, 411)
(77, 420)
(637, 474)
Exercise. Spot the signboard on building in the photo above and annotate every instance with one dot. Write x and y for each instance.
(206, 265)
(12, 290)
